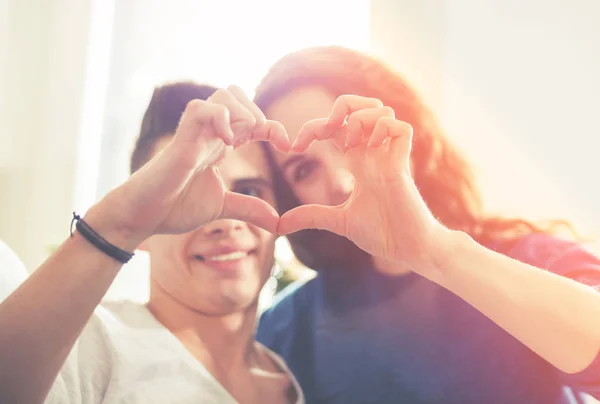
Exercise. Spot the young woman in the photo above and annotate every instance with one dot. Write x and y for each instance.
(439, 303)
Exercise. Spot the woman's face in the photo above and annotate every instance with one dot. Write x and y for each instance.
(319, 175)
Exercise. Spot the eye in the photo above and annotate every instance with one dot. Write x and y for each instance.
(250, 190)
(303, 170)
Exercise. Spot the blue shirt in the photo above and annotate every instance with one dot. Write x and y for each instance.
(358, 336)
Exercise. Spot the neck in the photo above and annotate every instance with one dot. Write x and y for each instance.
(220, 342)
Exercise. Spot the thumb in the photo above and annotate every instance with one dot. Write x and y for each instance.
(250, 210)
(319, 217)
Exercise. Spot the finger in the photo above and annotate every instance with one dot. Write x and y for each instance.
(388, 127)
(199, 114)
(400, 146)
(241, 119)
(239, 142)
(313, 217)
(273, 132)
(346, 104)
(220, 157)
(250, 210)
(362, 123)
(243, 99)
(339, 139)
(316, 129)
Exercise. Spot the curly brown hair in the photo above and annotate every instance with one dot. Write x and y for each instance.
(441, 174)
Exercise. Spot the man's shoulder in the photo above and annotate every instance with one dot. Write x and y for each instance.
(89, 367)
(121, 329)
(127, 313)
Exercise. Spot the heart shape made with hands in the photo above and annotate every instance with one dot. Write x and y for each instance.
(182, 189)
(385, 215)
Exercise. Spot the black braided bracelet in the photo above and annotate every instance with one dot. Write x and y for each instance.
(98, 241)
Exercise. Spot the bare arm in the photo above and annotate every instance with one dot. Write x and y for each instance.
(556, 317)
(41, 320)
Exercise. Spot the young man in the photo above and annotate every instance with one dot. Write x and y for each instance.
(209, 233)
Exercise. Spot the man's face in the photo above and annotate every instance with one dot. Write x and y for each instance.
(220, 268)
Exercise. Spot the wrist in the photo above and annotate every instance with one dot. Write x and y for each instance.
(443, 249)
(109, 223)
(447, 255)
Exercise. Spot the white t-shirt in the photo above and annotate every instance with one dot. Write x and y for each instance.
(125, 356)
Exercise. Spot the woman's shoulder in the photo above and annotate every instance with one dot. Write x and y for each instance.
(290, 308)
(550, 252)
(295, 296)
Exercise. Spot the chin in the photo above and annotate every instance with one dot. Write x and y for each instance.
(230, 300)
(321, 250)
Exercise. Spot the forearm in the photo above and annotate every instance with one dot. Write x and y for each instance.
(556, 317)
(41, 320)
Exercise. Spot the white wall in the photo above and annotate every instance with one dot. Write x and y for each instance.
(516, 84)
(522, 92)
(409, 35)
(43, 48)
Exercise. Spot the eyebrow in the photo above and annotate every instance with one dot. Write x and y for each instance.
(292, 160)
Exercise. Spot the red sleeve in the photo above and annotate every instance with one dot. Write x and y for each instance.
(571, 260)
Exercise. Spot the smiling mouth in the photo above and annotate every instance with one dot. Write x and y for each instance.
(232, 256)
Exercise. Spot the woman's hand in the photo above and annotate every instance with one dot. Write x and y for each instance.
(385, 215)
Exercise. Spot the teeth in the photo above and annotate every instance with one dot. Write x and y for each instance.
(228, 257)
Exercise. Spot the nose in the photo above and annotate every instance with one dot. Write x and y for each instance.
(223, 227)
(341, 183)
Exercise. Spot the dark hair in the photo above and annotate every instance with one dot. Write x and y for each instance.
(442, 176)
(162, 116)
